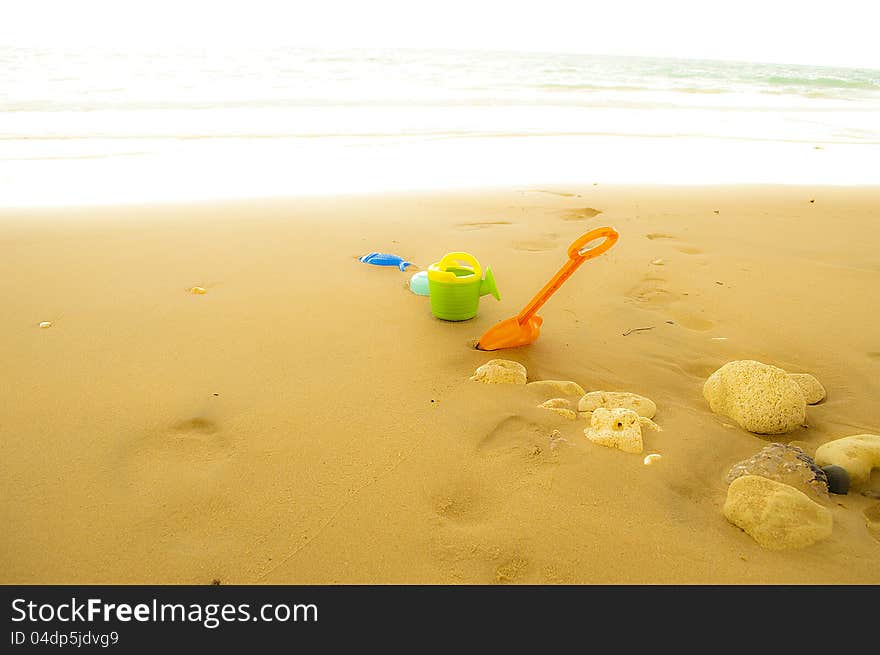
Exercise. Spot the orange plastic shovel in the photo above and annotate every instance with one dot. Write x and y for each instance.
(525, 327)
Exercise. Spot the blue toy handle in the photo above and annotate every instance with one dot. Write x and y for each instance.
(383, 259)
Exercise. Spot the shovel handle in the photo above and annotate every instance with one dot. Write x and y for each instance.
(578, 249)
(578, 253)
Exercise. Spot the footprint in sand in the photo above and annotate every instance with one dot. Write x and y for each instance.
(192, 438)
(513, 457)
(691, 365)
(189, 453)
(692, 321)
(514, 435)
(470, 556)
(460, 498)
(543, 243)
(698, 368)
(580, 214)
(651, 291)
(465, 504)
(199, 428)
(677, 244)
(511, 570)
(481, 225)
(653, 294)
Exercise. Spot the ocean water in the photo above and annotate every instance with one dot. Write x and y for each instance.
(100, 126)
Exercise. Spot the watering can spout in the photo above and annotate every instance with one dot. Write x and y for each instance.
(487, 285)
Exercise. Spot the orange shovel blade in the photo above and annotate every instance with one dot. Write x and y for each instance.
(510, 333)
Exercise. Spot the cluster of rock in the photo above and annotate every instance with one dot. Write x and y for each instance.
(778, 495)
(615, 418)
(775, 496)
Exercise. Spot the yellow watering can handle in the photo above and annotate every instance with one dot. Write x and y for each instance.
(461, 257)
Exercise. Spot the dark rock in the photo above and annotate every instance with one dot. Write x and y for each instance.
(838, 479)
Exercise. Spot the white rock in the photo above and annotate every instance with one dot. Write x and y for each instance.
(618, 400)
(500, 371)
(858, 454)
(46, 324)
(774, 514)
(759, 397)
(617, 428)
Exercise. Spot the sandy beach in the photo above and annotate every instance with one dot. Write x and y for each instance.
(307, 420)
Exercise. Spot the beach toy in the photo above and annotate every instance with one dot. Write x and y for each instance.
(418, 283)
(382, 259)
(525, 327)
(455, 287)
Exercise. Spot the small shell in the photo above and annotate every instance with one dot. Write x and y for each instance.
(652, 459)
(198, 290)
(658, 262)
(46, 324)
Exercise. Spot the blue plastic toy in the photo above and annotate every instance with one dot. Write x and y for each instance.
(381, 259)
(418, 283)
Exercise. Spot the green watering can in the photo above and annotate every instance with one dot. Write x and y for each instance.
(455, 285)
